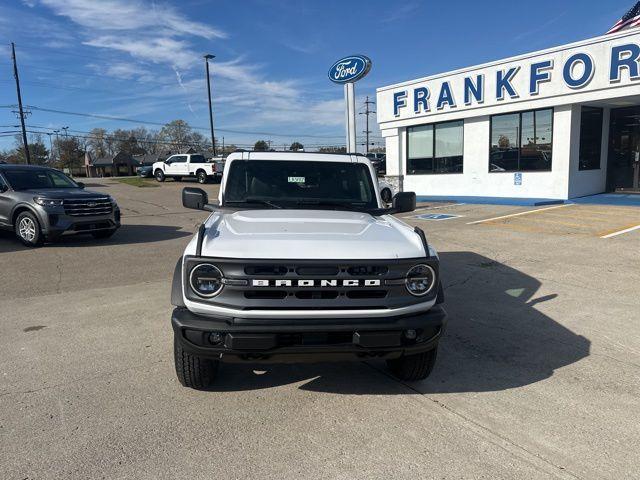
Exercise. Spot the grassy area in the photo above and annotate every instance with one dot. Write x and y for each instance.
(138, 182)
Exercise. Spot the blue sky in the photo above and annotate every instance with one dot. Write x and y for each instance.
(142, 59)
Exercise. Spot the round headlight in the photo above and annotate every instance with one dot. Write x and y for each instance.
(206, 280)
(420, 280)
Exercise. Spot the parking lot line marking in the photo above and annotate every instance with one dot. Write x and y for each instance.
(520, 213)
(620, 232)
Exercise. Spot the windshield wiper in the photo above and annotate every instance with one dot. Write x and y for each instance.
(258, 201)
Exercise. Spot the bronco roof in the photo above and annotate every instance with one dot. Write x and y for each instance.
(288, 155)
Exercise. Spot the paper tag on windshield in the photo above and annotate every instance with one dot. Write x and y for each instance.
(295, 179)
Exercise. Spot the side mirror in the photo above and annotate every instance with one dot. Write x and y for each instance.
(404, 202)
(80, 185)
(195, 198)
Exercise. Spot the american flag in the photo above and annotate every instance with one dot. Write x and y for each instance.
(629, 20)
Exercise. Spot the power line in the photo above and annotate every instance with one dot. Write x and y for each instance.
(80, 134)
(159, 124)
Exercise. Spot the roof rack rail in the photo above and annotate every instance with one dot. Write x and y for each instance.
(240, 150)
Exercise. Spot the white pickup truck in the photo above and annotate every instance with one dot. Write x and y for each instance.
(188, 165)
(302, 260)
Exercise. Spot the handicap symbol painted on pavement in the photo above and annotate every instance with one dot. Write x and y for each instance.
(436, 216)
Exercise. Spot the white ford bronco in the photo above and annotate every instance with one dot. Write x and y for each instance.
(187, 165)
(301, 260)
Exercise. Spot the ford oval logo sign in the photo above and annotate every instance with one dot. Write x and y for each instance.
(349, 69)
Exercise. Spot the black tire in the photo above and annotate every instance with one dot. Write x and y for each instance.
(202, 177)
(27, 229)
(413, 367)
(193, 371)
(103, 234)
(159, 174)
(177, 179)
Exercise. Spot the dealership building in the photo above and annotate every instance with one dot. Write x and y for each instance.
(550, 125)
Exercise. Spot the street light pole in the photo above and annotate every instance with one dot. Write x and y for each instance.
(208, 57)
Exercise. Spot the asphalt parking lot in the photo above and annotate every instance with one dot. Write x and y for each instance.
(538, 375)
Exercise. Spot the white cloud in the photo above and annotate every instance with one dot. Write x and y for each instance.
(141, 34)
(124, 70)
(157, 50)
(124, 15)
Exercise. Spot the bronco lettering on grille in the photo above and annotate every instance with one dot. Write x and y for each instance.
(315, 283)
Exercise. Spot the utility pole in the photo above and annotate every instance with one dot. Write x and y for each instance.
(367, 112)
(21, 112)
(50, 147)
(57, 143)
(208, 57)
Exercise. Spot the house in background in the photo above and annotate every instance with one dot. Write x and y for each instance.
(148, 159)
(121, 164)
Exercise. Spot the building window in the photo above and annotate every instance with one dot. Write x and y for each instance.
(436, 148)
(521, 142)
(590, 138)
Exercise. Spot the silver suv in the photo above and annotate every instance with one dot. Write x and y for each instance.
(41, 203)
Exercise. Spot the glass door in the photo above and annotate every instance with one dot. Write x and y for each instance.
(624, 150)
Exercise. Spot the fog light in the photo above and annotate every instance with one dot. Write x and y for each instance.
(215, 338)
(410, 334)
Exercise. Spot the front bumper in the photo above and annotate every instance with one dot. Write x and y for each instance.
(295, 340)
(56, 223)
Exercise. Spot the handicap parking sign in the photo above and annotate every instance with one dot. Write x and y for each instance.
(517, 178)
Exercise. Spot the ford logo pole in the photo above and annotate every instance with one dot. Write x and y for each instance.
(347, 71)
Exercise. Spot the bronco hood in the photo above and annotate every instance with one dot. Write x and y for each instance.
(307, 234)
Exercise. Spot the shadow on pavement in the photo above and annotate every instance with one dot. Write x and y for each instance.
(495, 340)
(126, 235)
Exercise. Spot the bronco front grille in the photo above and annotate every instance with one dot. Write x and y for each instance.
(311, 284)
(87, 206)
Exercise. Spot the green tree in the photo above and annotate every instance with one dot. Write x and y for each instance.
(37, 150)
(70, 151)
(127, 142)
(178, 135)
(98, 144)
(332, 149)
(261, 146)
(227, 149)
(503, 141)
(295, 146)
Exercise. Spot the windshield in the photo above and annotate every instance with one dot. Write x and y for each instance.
(298, 184)
(28, 179)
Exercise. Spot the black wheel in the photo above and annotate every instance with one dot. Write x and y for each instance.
(177, 179)
(28, 231)
(202, 177)
(159, 174)
(193, 371)
(413, 367)
(103, 234)
(386, 195)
